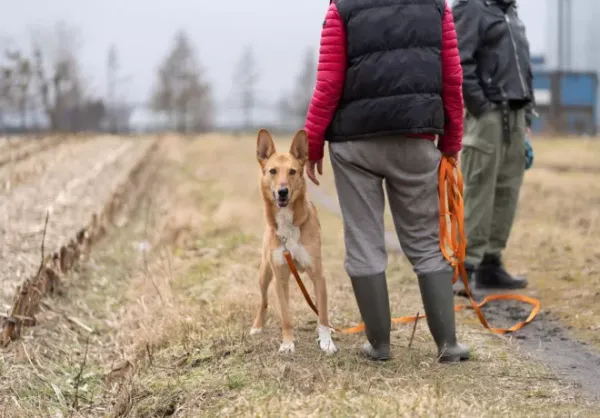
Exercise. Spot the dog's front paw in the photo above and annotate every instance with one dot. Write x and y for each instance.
(328, 346)
(254, 331)
(287, 348)
(325, 341)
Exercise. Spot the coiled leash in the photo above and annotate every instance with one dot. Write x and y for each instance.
(453, 244)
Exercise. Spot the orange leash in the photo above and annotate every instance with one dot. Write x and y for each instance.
(453, 244)
(294, 270)
(292, 266)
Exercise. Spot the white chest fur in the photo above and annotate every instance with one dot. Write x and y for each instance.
(290, 234)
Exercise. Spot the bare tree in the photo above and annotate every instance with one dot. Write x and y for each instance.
(47, 77)
(5, 91)
(118, 114)
(294, 106)
(22, 80)
(15, 83)
(56, 70)
(181, 91)
(112, 64)
(245, 78)
(5, 81)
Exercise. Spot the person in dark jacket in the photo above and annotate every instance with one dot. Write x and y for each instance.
(498, 96)
(389, 81)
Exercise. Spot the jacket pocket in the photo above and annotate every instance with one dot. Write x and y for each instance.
(483, 133)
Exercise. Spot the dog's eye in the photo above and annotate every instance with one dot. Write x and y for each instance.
(292, 171)
(273, 171)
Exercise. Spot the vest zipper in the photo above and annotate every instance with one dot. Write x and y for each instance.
(507, 18)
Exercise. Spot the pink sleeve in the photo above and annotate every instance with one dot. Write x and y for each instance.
(331, 73)
(452, 78)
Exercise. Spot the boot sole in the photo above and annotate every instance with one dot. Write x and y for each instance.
(453, 359)
(376, 359)
(456, 357)
(512, 287)
(461, 293)
(382, 357)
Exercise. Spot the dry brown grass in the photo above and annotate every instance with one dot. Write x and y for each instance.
(567, 153)
(170, 333)
(555, 236)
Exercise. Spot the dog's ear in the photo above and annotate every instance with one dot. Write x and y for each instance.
(265, 147)
(299, 147)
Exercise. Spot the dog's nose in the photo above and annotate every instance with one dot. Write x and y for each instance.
(283, 192)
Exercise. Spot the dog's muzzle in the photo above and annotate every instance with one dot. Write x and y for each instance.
(282, 197)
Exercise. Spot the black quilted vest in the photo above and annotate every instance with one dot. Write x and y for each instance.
(394, 78)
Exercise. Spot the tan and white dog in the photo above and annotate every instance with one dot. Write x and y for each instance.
(291, 222)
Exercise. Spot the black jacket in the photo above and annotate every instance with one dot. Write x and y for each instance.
(494, 53)
(393, 80)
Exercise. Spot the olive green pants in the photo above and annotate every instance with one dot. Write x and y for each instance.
(493, 169)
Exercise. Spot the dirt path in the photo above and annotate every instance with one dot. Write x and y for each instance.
(80, 182)
(548, 340)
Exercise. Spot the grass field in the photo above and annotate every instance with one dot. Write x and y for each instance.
(164, 332)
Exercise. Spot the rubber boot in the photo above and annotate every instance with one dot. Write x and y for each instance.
(373, 303)
(492, 275)
(438, 300)
(459, 286)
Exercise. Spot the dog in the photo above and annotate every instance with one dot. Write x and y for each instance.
(292, 223)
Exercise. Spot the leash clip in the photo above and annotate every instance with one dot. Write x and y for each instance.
(283, 241)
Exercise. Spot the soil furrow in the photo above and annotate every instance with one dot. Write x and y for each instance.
(27, 169)
(72, 192)
(13, 144)
(19, 153)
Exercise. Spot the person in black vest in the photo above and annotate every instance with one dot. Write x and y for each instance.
(389, 82)
(498, 94)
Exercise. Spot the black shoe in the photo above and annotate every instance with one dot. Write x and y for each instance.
(492, 275)
(436, 292)
(459, 286)
(372, 298)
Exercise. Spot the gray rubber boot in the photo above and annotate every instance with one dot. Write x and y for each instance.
(438, 300)
(373, 303)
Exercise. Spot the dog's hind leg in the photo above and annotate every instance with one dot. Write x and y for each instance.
(265, 274)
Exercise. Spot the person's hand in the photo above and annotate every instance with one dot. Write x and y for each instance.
(310, 170)
(455, 155)
(528, 132)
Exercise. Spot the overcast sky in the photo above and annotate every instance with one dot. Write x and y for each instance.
(279, 30)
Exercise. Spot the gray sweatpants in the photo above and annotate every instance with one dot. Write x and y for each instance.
(409, 167)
